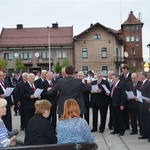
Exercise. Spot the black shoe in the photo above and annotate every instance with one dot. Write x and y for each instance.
(114, 132)
(110, 128)
(148, 140)
(121, 133)
(132, 133)
(93, 130)
(101, 131)
(142, 137)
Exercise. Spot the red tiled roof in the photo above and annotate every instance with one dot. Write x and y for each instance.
(13, 37)
(132, 20)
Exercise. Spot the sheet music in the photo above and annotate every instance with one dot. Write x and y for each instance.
(105, 88)
(95, 88)
(139, 96)
(38, 92)
(8, 91)
(130, 94)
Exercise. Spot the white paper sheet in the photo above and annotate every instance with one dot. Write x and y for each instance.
(145, 98)
(95, 88)
(139, 96)
(105, 88)
(38, 92)
(130, 94)
(8, 91)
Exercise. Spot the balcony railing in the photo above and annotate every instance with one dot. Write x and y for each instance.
(43, 60)
(27, 61)
(118, 59)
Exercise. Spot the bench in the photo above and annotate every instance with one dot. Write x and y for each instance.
(75, 146)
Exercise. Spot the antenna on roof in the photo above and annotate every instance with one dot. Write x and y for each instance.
(140, 16)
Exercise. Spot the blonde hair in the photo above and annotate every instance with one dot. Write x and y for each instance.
(3, 102)
(41, 106)
(71, 109)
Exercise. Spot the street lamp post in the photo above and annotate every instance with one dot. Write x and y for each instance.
(149, 51)
(49, 51)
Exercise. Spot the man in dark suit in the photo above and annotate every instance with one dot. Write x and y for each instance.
(19, 100)
(125, 78)
(133, 104)
(70, 87)
(7, 118)
(49, 83)
(85, 94)
(118, 98)
(39, 81)
(28, 97)
(100, 100)
(109, 79)
(144, 113)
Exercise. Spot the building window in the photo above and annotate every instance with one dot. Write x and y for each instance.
(62, 54)
(126, 28)
(127, 38)
(8, 56)
(105, 70)
(133, 63)
(132, 27)
(137, 38)
(25, 55)
(97, 36)
(137, 27)
(44, 55)
(132, 51)
(132, 38)
(104, 52)
(84, 53)
(85, 69)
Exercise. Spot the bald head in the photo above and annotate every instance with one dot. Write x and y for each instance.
(134, 77)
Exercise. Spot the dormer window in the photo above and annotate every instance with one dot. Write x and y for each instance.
(97, 36)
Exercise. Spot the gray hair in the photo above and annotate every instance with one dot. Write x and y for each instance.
(3, 102)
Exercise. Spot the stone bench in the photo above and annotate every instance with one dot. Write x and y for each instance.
(75, 146)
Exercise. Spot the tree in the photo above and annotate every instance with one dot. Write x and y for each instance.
(65, 63)
(58, 67)
(3, 63)
(19, 65)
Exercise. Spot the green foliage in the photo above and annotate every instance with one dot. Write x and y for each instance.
(58, 67)
(3, 63)
(19, 65)
(65, 63)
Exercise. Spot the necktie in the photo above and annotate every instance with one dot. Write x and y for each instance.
(32, 87)
(125, 77)
(134, 86)
(98, 82)
(51, 84)
(3, 85)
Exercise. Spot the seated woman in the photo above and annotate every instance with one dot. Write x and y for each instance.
(72, 128)
(5, 141)
(39, 129)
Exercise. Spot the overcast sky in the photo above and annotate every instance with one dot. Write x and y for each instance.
(77, 13)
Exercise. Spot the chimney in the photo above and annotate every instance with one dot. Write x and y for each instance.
(19, 26)
(55, 25)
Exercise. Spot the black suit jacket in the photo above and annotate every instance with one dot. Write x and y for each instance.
(45, 94)
(100, 99)
(125, 81)
(145, 91)
(40, 131)
(38, 83)
(70, 87)
(26, 92)
(132, 103)
(119, 97)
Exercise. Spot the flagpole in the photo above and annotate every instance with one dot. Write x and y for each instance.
(49, 51)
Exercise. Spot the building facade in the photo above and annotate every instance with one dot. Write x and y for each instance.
(33, 46)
